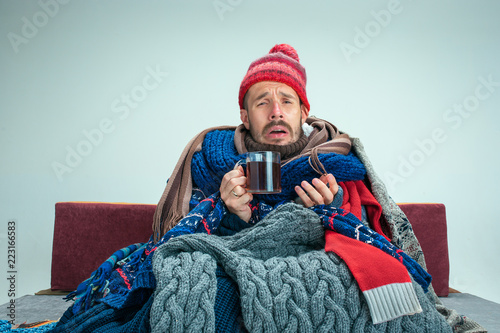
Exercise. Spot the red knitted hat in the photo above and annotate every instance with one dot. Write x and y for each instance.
(280, 65)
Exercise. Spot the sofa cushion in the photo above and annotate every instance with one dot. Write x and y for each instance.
(87, 233)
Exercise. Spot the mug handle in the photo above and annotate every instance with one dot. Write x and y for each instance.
(243, 161)
(240, 162)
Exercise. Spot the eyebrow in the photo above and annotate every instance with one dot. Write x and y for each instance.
(287, 95)
(267, 93)
(262, 95)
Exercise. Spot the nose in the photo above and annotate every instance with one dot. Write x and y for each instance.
(276, 112)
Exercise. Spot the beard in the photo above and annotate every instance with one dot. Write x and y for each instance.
(294, 133)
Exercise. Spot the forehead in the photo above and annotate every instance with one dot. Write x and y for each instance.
(270, 86)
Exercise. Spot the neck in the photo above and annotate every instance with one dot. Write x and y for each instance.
(286, 151)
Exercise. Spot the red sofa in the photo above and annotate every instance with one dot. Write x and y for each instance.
(87, 233)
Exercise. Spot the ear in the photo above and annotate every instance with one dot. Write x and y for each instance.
(244, 118)
(304, 113)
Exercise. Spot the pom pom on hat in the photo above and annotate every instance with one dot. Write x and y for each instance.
(285, 49)
(281, 64)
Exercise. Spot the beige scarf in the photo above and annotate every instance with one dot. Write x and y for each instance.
(174, 202)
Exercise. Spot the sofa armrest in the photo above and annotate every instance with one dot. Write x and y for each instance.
(87, 233)
(429, 225)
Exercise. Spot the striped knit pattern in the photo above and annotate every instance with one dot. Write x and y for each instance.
(280, 65)
(405, 303)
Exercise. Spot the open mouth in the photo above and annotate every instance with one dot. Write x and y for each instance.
(277, 131)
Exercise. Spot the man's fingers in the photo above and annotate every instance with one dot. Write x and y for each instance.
(232, 174)
(244, 200)
(240, 206)
(312, 192)
(304, 197)
(332, 182)
(310, 195)
(319, 193)
(324, 191)
(235, 196)
(232, 180)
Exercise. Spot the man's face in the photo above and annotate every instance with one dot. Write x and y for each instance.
(274, 114)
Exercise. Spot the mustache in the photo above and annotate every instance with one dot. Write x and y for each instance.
(277, 123)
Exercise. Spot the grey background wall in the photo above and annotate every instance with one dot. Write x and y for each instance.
(98, 99)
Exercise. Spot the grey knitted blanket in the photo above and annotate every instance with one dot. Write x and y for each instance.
(287, 282)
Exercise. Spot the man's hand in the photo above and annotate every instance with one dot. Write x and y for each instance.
(318, 193)
(235, 195)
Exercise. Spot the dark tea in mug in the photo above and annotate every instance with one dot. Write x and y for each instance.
(263, 177)
(263, 172)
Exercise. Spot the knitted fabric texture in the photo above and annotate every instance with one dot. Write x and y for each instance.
(287, 282)
(338, 220)
(227, 303)
(6, 326)
(98, 283)
(174, 203)
(104, 319)
(208, 214)
(218, 156)
(280, 65)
